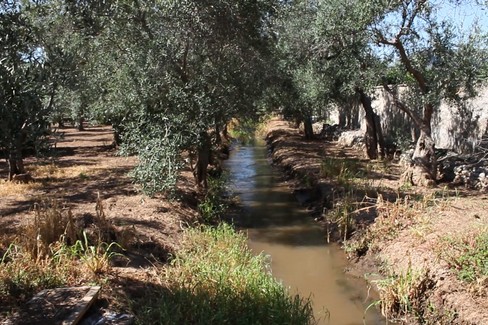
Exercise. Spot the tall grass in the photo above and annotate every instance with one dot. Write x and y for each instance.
(214, 204)
(403, 294)
(215, 279)
(53, 251)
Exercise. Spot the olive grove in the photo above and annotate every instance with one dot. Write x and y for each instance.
(169, 75)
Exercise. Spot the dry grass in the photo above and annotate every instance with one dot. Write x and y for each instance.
(54, 172)
(54, 250)
(47, 173)
(52, 223)
(18, 189)
(403, 294)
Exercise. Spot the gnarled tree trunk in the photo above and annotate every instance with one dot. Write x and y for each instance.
(203, 159)
(371, 136)
(15, 163)
(423, 169)
(308, 128)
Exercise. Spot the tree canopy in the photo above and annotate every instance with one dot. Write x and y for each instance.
(169, 75)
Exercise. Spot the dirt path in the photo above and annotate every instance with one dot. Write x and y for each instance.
(404, 240)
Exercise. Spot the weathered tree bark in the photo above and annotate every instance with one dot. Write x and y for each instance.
(423, 169)
(379, 136)
(117, 136)
(80, 123)
(203, 159)
(308, 128)
(218, 139)
(15, 163)
(343, 118)
(225, 132)
(371, 140)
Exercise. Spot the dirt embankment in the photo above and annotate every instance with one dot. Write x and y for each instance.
(406, 239)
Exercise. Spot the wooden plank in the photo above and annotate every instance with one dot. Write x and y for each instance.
(82, 307)
(60, 306)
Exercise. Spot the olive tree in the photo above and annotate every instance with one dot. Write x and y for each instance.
(26, 89)
(174, 73)
(441, 64)
(325, 51)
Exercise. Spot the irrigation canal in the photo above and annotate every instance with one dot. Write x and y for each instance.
(278, 226)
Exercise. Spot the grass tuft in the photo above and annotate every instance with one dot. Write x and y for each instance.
(403, 294)
(53, 251)
(468, 259)
(215, 279)
(214, 204)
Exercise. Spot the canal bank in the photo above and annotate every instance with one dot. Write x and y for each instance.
(407, 241)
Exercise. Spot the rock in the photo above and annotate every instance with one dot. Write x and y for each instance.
(472, 175)
(351, 138)
(330, 132)
(406, 158)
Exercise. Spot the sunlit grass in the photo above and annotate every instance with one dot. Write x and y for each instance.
(55, 172)
(17, 189)
(215, 279)
(468, 258)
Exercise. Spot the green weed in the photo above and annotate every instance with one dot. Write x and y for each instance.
(215, 279)
(340, 168)
(403, 294)
(468, 257)
(214, 204)
(341, 216)
(94, 257)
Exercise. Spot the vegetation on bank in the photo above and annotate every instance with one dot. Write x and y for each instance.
(53, 251)
(468, 258)
(422, 249)
(215, 279)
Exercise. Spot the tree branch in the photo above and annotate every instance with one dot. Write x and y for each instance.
(396, 100)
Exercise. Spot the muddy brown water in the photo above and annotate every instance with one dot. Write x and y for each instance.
(300, 257)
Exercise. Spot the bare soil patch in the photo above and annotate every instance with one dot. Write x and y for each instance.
(414, 242)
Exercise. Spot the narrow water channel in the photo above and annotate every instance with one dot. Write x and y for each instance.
(280, 228)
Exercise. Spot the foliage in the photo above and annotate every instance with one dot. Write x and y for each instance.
(468, 257)
(159, 159)
(215, 279)
(26, 90)
(214, 204)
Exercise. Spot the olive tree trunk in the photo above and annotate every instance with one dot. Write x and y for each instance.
(308, 128)
(374, 135)
(423, 168)
(15, 163)
(203, 159)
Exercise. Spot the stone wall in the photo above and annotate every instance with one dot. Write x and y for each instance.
(455, 129)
